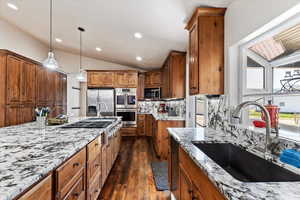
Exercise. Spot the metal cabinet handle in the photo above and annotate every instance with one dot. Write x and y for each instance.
(76, 164)
(76, 195)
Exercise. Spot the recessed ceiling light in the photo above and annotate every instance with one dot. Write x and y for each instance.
(12, 6)
(58, 40)
(138, 35)
(98, 49)
(139, 58)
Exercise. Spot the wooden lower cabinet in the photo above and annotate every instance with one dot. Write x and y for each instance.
(82, 176)
(193, 182)
(141, 127)
(161, 136)
(41, 191)
(69, 174)
(129, 131)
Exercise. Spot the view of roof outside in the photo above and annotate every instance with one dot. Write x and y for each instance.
(286, 78)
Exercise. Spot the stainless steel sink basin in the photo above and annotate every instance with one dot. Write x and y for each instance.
(245, 166)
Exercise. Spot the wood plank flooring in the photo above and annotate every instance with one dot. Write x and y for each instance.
(131, 177)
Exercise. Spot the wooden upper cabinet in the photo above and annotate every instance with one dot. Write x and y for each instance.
(100, 79)
(51, 93)
(59, 88)
(141, 86)
(41, 84)
(206, 46)
(113, 79)
(132, 79)
(153, 79)
(174, 75)
(14, 66)
(28, 83)
(193, 61)
(120, 80)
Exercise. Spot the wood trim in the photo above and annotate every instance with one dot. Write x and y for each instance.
(8, 52)
(204, 11)
(112, 71)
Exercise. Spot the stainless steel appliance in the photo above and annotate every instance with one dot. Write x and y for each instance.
(152, 93)
(100, 102)
(129, 116)
(126, 98)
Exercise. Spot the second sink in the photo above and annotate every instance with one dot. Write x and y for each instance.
(245, 166)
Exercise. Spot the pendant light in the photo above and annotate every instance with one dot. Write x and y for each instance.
(81, 75)
(50, 62)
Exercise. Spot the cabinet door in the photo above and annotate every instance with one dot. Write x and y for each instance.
(141, 125)
(64, 82)
(93, 78)
(42, 191)
(26, 113)
(166, 80)
(13, 79)
(211, 54)
(147, 80)
(197, 195)
(58, 89)
(141, 86)
(12, 115)
(132, 79)
(28, 81)
(120, 79)
(193, 61)
(41, 85)
(155, 78)
(51, 93)
(185, 185)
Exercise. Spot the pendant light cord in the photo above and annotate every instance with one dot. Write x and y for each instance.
(81, 30)
(51, 31)
(80, 51)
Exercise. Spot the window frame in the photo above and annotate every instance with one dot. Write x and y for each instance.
(205, 114)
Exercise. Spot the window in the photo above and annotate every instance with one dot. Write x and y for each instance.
(201, 111)
(271, 72)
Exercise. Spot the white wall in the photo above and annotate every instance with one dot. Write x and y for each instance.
(245, 20)
(14, 39)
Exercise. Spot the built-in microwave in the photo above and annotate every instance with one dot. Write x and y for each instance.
(152, 93)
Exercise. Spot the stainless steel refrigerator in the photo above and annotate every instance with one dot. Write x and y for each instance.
(100, 100)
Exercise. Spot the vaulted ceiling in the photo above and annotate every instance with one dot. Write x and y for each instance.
(111, 25)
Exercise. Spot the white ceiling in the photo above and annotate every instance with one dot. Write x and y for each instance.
(110, 25)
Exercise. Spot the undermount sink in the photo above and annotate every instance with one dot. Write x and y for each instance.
(245, 166)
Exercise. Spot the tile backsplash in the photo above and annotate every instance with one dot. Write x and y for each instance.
(152, 106)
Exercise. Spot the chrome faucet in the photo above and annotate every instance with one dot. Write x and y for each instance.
(99, 109)
(237, 112)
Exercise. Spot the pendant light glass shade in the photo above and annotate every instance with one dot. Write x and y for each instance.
(81, 77)
(50, 62)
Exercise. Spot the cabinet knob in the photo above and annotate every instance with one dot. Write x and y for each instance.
(97, 165)
(76, 164)
(76, 195)
(96, 144)
(96, 191)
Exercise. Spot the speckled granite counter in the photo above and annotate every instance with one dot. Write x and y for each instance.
(27, 153)
(230, 187)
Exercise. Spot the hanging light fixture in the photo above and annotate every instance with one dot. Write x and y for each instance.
(81, 75)
(50, 62)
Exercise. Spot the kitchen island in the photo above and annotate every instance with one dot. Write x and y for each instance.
(225, 184)
(28, 153)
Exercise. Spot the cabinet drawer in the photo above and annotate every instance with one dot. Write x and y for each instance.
(94, 189)
(128, 131)
(93, 149)
(69, 172)
(93, 168)
(77, 192)
(42, 191)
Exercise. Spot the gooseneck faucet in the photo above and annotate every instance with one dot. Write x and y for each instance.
(237, 112)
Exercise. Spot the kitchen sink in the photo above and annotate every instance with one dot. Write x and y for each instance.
(245, 166)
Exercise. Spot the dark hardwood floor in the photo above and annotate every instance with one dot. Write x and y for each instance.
(131, 177)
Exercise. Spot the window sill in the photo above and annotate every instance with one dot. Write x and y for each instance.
(284, 134)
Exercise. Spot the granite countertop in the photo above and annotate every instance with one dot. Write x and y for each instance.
(229, 186)
(27, 153)
(164, 117)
